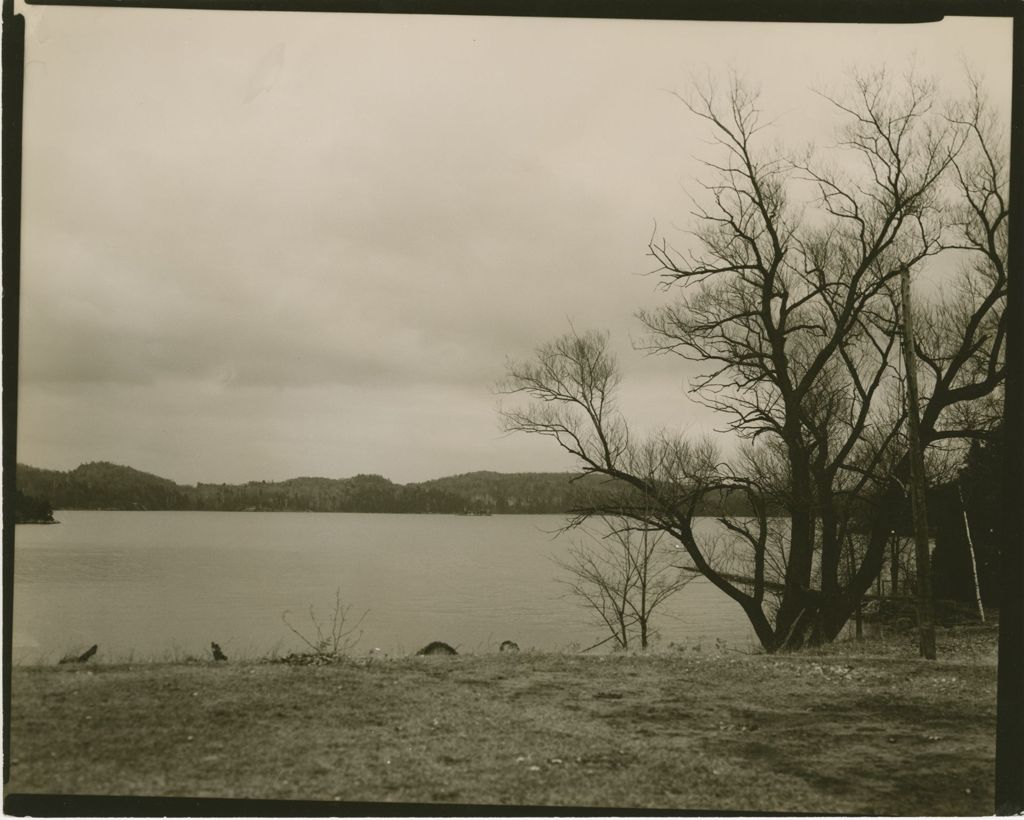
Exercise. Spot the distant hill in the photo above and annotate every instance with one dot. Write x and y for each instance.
(519, 492)
(361, 493)
(104, 486)
(101, 485)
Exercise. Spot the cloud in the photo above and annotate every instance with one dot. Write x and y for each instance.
(355, 219)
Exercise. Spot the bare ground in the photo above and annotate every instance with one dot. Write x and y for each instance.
(860, 728)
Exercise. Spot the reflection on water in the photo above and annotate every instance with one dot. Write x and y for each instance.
(161, 584)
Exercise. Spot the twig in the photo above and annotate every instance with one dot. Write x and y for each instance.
(599, 643)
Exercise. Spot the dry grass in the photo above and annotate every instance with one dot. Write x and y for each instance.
(870, 731)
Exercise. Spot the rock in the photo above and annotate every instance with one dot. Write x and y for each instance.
(437, 648)
(81, 658)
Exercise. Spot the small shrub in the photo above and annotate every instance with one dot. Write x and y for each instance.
(329, 640)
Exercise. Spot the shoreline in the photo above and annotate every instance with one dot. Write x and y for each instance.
(968, 641)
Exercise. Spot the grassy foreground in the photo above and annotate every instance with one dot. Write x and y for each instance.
(861, 729)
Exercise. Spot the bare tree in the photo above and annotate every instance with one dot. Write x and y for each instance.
(659, 483)
(623, 574)
(788, 297)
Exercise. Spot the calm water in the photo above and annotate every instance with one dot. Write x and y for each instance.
(165, 584)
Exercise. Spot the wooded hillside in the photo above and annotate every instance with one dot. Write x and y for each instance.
(105, 486)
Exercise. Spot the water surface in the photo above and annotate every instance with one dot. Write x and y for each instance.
(156, 585)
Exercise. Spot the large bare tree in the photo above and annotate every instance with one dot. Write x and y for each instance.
(788, 298)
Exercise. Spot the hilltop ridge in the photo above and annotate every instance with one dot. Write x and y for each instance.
(104, 485)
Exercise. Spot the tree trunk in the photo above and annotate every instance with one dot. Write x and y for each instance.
(918, 483)
(808, 628)
(970, 549)
(801, 552)
(871, 564)
(894, 564)
(831, 551)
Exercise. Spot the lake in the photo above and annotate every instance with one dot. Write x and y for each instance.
(163, 585)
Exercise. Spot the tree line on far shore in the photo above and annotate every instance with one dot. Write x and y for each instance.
(106, 486)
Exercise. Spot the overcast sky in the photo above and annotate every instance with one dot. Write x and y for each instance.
(263, 245)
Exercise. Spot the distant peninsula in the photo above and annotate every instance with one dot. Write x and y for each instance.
(31, 510)
(101, 485)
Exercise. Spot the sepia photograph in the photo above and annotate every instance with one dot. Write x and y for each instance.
(435, 413)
